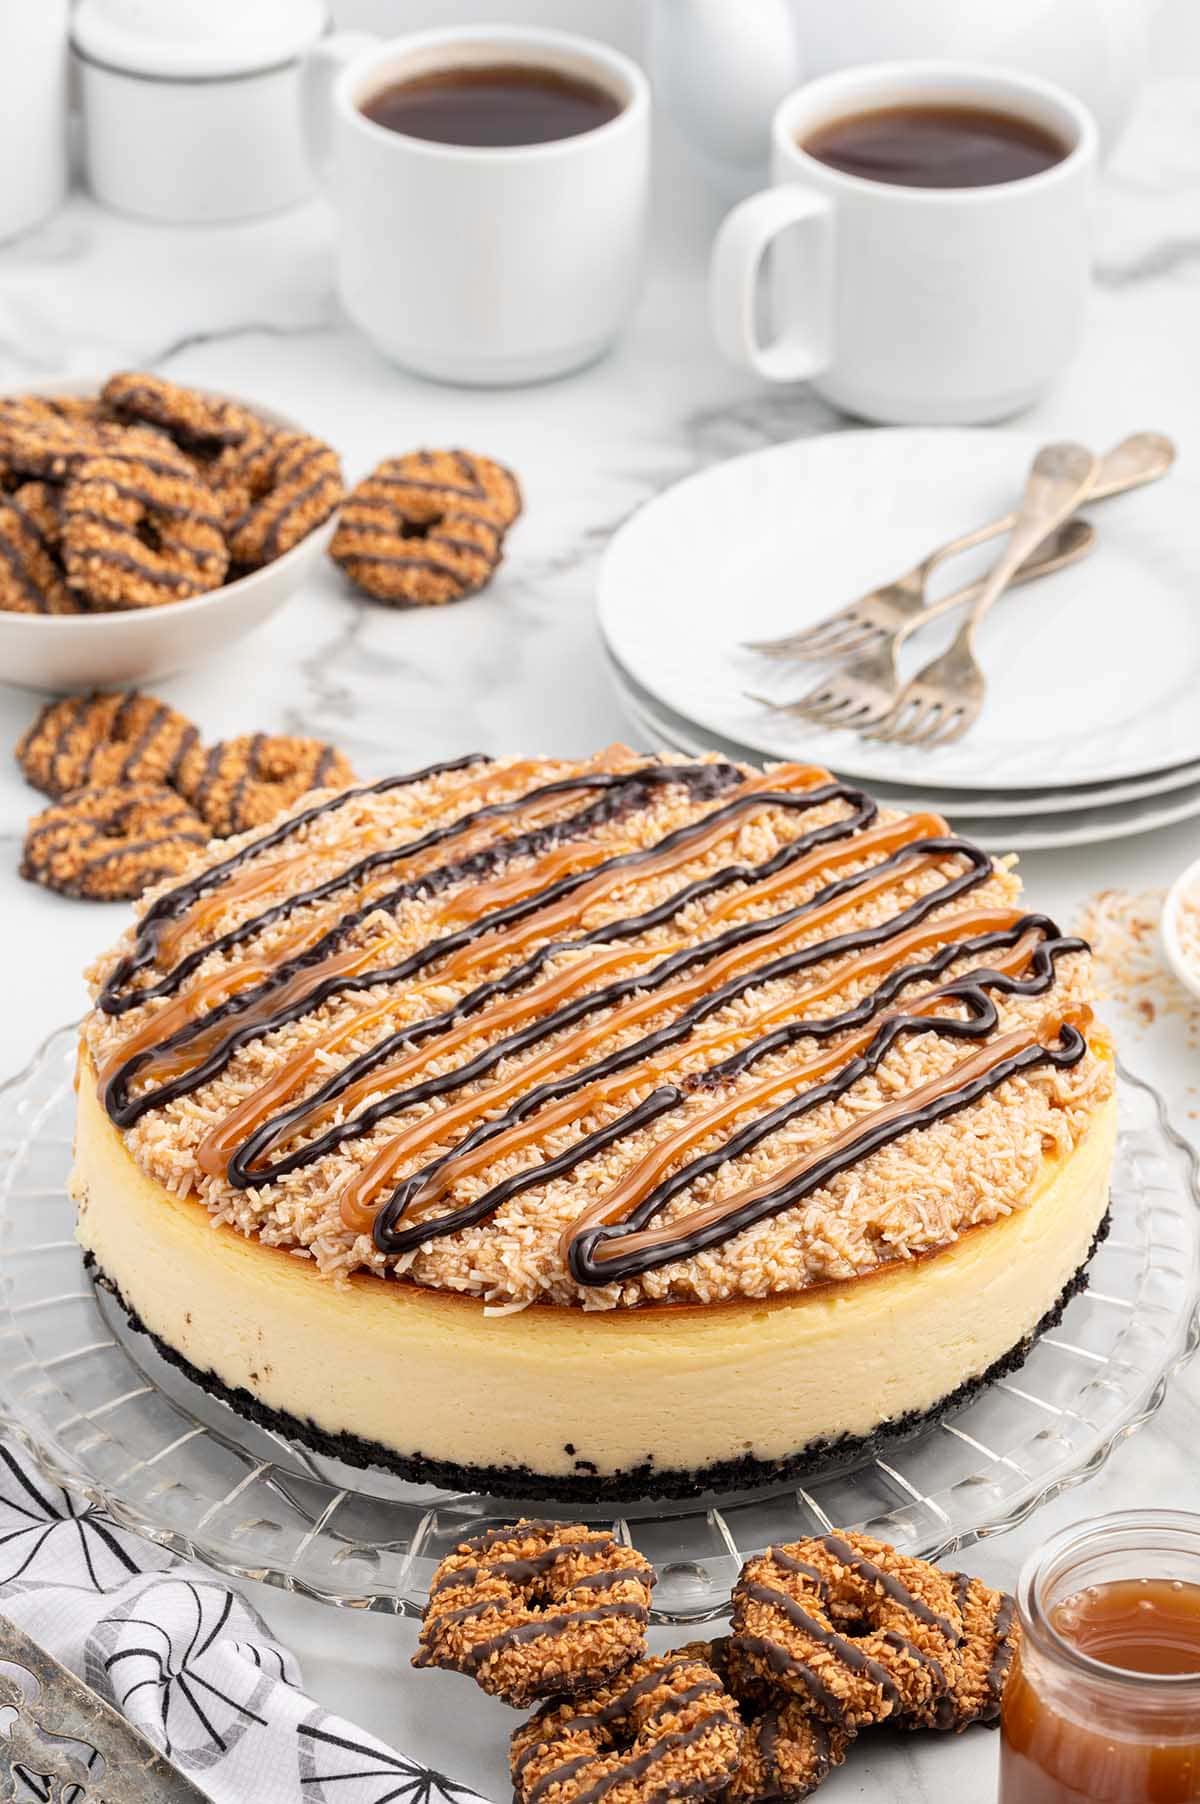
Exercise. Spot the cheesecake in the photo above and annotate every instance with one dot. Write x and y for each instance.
(593, 1130)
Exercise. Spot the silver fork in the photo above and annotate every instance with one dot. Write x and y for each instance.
(867, 688)
(938, 705)
(1140, 458)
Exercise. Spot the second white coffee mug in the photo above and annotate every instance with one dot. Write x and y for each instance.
(483, 265)
(911, 305)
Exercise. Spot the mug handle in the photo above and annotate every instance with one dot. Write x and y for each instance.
(322, 65)
(805, 346)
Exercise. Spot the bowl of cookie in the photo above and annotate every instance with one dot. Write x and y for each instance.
(144, 526)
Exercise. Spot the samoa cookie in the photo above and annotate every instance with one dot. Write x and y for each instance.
(665, 1728)
(135, 536)
(293, 483)
(245, 782)
(537, 1610)
(406, 565)
(111, 842)
(196, 420)
(856, 1630)
(31, 576)
(85, 740)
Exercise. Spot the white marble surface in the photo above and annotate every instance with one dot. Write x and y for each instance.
(251, 309)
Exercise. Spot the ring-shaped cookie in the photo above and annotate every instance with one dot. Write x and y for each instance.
(393, 561)
(245, 782)
(665, 1727)
(112, 842)
(858, 1631)
(136, 535)
(84, 740)
(538, 1610)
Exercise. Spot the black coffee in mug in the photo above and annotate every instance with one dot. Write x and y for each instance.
(935, 146)
(491, 107)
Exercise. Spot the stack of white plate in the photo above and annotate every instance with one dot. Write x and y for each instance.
(1091, 728)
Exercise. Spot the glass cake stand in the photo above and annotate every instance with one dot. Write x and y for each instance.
(105, 1417)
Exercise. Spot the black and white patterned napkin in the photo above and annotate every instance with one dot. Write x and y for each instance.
(185, 1659)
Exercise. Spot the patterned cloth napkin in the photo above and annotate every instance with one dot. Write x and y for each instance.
(185, 1659)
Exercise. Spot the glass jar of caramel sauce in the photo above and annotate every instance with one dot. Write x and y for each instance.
(1102, 1705)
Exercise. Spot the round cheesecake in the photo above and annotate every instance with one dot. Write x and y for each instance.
(593, 1130)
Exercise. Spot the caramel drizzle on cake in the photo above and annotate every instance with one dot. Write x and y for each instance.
(532, 915)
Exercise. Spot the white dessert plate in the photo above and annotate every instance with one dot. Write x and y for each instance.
(1022, 830)
(1092, 673)
(62, 653)
(104, 1416)
(689, 736)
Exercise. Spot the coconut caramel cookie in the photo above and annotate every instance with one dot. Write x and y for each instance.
(856, 1630)
(287, 485)
(406, 565)
(664, 1728)
(245, 782)
(85, 740)
(111, 842)
(194, 419)
(137, 536)
(538, 1610)
(31, 576)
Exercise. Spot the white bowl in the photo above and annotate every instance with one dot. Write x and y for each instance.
(71, 652)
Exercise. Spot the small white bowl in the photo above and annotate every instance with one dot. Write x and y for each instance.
(1183, 885)
(65, 653)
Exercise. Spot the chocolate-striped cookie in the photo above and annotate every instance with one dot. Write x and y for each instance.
(854, 1629)
(111, 842)
(424, 486)
(194, 419)
(536, 1610)
(664, 1728)
(86, 740)
(293, 482)
(244, 782)
(136, 535)
(390, 559)
(31, 576)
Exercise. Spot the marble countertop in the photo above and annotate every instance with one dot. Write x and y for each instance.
(251, 310)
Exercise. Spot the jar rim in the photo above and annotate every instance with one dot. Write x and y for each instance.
(1118, 1527)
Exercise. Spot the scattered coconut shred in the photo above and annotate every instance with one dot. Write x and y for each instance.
(1123, 929)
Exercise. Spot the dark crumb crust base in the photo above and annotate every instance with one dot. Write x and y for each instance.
(587, 1487)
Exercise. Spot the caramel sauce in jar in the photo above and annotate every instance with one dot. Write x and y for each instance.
(1103, 1702)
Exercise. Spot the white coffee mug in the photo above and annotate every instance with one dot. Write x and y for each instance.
(493, 265)
(912, 305)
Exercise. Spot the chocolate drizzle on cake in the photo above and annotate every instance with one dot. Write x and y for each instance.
(528, 897)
